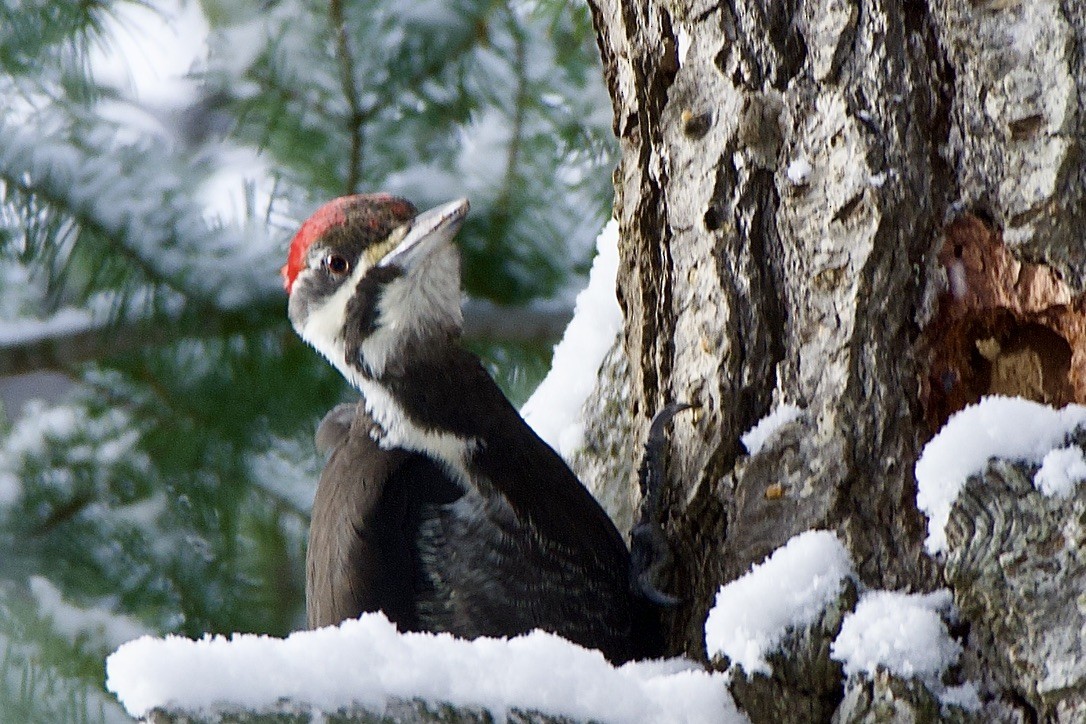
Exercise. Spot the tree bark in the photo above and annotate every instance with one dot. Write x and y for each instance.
(790, 175)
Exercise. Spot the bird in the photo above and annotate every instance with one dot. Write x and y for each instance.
(439, 505)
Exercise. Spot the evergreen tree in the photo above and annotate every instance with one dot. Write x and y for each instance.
(140, 237)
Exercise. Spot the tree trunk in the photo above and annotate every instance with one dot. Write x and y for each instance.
(798, 180)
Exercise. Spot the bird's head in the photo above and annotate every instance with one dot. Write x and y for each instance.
(369, 277)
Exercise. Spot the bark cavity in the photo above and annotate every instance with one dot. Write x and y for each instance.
(1002, 327)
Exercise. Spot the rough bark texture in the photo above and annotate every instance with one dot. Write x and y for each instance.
(889, 699)
(742, 288)
(791, 178)
(1019, 577)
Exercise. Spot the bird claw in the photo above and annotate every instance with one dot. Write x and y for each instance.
(650, 554)
(661, 420)
(655, 595)
(649, 551)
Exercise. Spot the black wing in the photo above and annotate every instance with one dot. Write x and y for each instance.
(362, 553)
(491, 574)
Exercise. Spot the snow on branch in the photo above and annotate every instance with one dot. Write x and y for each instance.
(997, 427)
(905, 634)
(97, 624)
(143, 207)
(789, 590)
(366, 663)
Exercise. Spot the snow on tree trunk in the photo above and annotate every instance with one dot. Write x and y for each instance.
(794, 183)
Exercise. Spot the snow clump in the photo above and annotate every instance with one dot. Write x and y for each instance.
(1006, 427)
(367, 662)
(756, 437)
(789, 590)
(904, 634)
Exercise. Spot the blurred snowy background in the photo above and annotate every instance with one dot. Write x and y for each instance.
(156, 463)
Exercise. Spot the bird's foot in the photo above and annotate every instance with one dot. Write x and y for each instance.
(649, 551)
(650, 554)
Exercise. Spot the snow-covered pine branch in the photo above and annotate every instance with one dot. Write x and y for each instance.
(144, 211)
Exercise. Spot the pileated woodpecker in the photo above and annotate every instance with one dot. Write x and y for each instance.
(439, 505)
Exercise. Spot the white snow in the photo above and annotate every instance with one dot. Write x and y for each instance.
(901, 632)
(214, 243)
(286, 468)
(790, 589)
(683, 41)
(483, 157)
(137, 205)
(63, 322)
(1061, 470)
(755, 438)
(1005, 427)
(966, 695)
(63, 437)
(904, 634)
(799, 170)
(241, 187)
(149, 51)
(96, 625)
(554, 409)
(366, 661)
(39, 426)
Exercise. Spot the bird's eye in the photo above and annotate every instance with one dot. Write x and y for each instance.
(337, 265)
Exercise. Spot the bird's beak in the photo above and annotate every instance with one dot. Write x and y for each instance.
(429, 231)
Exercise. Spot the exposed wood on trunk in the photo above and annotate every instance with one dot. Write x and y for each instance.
(1003, 326)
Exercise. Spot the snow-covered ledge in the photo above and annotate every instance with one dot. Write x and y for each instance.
(1007, 428)
(796, 617)
(1001, 485)
(366, 667)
